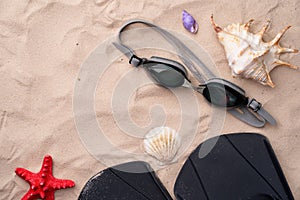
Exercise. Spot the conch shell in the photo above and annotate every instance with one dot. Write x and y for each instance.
(248, 55)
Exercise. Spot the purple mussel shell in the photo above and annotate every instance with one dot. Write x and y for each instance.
(189, 22)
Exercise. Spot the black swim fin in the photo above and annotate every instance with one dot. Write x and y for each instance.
(239, 167)
(129, 181)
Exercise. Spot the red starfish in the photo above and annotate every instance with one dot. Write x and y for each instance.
(43, 184)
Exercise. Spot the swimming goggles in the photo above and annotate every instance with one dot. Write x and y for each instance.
(217, 91)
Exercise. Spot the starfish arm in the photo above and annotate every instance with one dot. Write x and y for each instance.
(29, 195)
(50, 195)
(62, 183)
(47, 164)
(24, 173)
(42, 194)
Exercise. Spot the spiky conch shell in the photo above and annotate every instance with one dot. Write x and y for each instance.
(162, 143)
(248, 55)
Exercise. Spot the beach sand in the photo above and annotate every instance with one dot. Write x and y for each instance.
(43, 45)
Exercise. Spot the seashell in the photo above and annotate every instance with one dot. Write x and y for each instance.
(162, 143)
(189, 22)
(248, 55)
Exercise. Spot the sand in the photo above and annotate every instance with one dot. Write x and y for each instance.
(45, 43)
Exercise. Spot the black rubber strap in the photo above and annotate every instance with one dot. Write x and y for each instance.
(185, 54)
(262, 112)
(243, 114)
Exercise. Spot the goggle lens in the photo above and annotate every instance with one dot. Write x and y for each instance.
(223, 95)
(165, 75)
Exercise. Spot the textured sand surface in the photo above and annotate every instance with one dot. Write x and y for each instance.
(43, 44)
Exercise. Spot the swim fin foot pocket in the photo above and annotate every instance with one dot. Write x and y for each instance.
(240, 166)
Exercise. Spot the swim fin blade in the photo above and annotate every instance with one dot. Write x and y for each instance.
(239, 166)
(133, 180)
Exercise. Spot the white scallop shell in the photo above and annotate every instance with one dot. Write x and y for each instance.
(162, 143)
(248, 55)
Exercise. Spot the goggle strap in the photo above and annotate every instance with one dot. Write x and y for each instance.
(257, 120)
(128, 52)
(263, 113)
(135, 61)
(247, 116)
